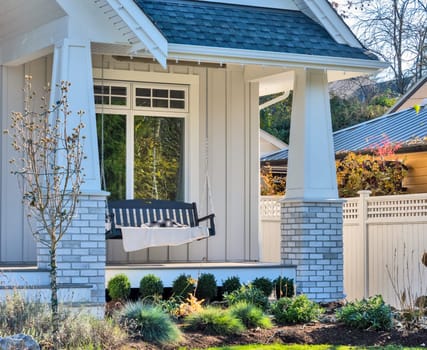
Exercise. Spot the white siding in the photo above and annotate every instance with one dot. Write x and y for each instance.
(230, 123)
(16, 242)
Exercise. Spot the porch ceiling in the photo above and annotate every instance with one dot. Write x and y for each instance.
(22, 16)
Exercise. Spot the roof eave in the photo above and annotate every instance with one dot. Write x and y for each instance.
(268, 58)
(147, 35)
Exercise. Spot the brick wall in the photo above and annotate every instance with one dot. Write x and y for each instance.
(311, 240)
(81, 253)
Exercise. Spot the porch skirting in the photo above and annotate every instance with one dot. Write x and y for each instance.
(311, 239)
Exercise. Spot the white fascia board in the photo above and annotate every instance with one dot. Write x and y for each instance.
(274, 59)
(31, 45)
(332, 22)
(272, 139)
(143, 28)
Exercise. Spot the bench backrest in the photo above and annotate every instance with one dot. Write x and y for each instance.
(135, 212)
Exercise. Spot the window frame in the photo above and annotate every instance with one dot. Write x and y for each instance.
(191, 151)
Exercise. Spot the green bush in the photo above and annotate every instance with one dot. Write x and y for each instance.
(119, 287)
(231, 284)
(150, 286)
(298, 309)
(250, 315)
(370, 313)
(250, 295)
(284, 287)
(183, 285)
(213, 320)
(264, 284)
(150, 323)
(206, 287)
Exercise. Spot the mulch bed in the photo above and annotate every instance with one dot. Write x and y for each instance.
(327, 331)
(316, 333)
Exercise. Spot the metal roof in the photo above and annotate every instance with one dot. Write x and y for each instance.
(398, 128)
(192, 22)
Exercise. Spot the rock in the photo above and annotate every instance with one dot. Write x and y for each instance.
(18, 342)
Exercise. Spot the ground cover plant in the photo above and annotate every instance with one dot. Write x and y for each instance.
(370, 313)
(298, 309)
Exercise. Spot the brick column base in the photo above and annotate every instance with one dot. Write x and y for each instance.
(311, 240)
(81, 253)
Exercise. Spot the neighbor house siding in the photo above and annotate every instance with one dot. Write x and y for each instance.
(229, 125)
(416, 180)
(16, 242)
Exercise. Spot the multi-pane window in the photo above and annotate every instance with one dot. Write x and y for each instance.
(111, 95)
(142, 143)
(160, 97)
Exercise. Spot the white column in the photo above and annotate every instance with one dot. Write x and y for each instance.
(311, 161)
(72, 62)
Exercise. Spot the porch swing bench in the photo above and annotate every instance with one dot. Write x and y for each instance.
(160, 222)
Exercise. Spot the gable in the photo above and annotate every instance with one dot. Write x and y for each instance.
(210, 24)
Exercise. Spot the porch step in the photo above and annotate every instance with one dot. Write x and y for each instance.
(67, 293)
(23, 276)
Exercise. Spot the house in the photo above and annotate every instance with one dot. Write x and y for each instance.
(269, 143)
(416, 95)
(406, 128)
(197, 67)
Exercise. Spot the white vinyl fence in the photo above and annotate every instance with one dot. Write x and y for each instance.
(385, 239)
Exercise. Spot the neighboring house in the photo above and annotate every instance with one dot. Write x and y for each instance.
(416, 95)
(198, 67)
(405, 128)
(269, 143)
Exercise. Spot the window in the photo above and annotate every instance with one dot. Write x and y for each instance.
(142, 144)
(160, 97)
(111, 94)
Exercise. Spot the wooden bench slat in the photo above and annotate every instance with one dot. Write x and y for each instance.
(136, 212)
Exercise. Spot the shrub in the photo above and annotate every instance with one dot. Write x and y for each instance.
(183, 285)
(231, 284)
(206, 287)
(250, 295)
(264, 284)
(150, 286)
(250, 315)
(214, 320)
(77, 330)
(17, 314)
(149, 322)
(189, 306)
(284, 287)
(370, 313)
(119, 287)
(295, 310)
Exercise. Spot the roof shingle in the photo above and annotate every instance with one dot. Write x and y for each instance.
(192, 22)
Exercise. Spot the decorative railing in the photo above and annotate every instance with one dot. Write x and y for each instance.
(411, 207)
(269, 207)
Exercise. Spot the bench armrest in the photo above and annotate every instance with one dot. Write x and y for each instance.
(209, 217)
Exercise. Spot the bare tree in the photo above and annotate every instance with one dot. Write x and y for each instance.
(49, 170)
(395, 30)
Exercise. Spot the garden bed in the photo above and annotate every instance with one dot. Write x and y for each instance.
(314, 333)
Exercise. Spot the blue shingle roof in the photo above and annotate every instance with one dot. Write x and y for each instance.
(192, 22)
(400, 127)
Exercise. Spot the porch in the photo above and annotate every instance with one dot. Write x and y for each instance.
(131, 71)
(33, 282)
